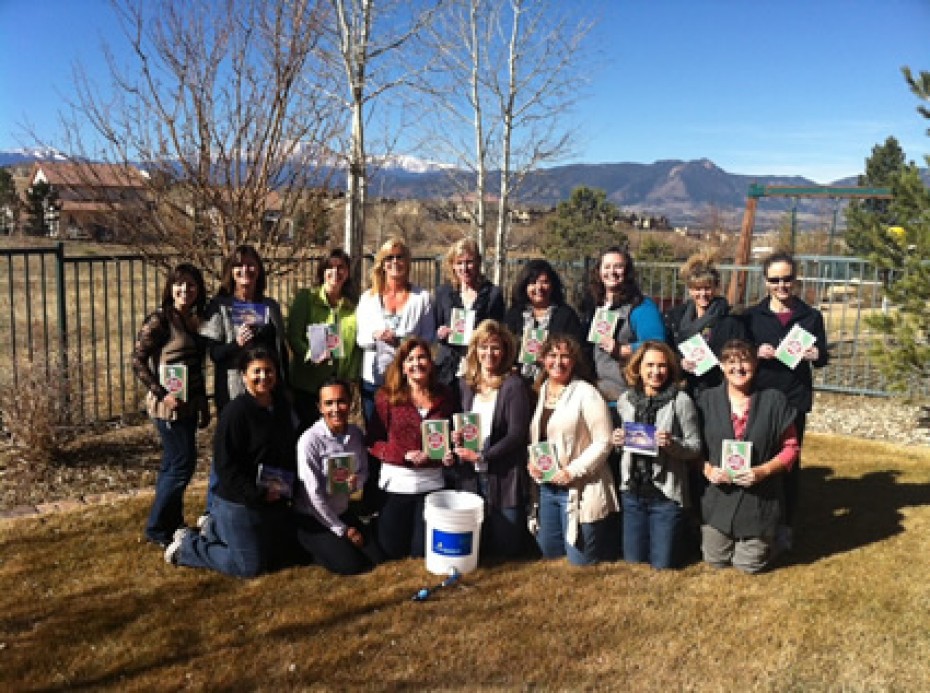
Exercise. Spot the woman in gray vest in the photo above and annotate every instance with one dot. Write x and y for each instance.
(744, 501)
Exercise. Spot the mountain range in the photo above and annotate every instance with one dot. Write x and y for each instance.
(685, 192)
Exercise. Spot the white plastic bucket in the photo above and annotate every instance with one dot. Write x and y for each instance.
(453, 531)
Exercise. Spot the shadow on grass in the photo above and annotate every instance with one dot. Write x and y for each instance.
(838, 514)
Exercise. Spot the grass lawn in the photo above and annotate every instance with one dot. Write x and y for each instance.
(85, 605)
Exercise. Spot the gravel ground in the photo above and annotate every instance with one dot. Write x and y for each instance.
(125, 460)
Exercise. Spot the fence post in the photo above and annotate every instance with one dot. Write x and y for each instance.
(64, 365)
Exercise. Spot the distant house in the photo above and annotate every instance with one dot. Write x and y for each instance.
(89, 197)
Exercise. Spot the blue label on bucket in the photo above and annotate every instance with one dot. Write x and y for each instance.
(451, 543)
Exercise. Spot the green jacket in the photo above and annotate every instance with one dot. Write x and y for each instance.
(310, 307)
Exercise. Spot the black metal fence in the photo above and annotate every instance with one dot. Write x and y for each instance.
(76, 316)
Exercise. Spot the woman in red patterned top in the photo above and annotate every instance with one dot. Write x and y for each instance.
(411, 395)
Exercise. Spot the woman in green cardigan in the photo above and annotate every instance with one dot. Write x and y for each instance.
(331, 303)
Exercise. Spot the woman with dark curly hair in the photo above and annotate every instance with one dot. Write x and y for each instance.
(538, 302)
(168, 359)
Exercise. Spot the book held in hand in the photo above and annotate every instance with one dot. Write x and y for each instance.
(275, 479)
(546, 458)
(792, 347)
(603, 325)
(462, 324)
(174, 379)
(245, 313)
(533, 338)
(469, 423)
(324, 342)
(435, 438)
(640, 438)
(736, 457)
(695, 349)
(339, 468)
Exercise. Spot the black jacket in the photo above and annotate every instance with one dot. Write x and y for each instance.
(489, 304)
(765, 328)
(716, 333)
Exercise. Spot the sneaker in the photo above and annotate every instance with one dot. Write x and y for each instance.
(171, 553)
(206, 526)
(202, 521)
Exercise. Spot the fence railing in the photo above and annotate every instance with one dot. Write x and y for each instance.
(83, 313)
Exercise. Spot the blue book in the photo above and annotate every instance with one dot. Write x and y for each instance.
(244, 313)
(640, 438)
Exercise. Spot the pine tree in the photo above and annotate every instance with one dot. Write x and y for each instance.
(582, 226)
(867, 221)
(904, 352)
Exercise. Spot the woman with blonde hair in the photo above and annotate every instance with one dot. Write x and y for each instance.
(467, 289)
(705, 313)
(392, 310)
(578, 509)
(654, 481)
(497, 470)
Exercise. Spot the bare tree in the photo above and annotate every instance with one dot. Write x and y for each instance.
(366, 38)
(218, 104)
(521, 62)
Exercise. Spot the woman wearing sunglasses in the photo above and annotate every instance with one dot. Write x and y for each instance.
(768, 323)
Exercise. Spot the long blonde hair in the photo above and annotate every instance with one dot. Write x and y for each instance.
(489, 329)
(377, 275)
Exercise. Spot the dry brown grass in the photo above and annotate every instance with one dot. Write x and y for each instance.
(85, 605)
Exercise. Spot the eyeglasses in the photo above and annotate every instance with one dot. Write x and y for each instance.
(787, 279)
(394, 258)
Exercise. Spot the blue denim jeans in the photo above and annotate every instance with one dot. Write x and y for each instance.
(178, 460)
(651, 530)
(241, 541)
(597, 541)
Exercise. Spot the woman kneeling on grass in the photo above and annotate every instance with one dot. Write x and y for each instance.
(331, 464)
(744, 501)
(654, 474)
(254, 458)
(578, 505)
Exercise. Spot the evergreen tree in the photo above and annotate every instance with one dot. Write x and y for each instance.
(9, 203)
(867, 221)
(38, 198)
(904, 352)
(582, 226)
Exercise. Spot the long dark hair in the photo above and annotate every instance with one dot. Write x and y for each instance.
(395, 385)
(597, 292)
(531, 271)
(227, 286)
(185, 269)
(349, 289)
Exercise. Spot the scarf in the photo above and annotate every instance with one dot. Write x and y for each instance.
(692, 325)
(645, 409)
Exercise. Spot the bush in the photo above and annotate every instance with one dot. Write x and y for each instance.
(36, 404)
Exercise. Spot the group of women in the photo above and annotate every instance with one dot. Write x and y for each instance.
(625, 430)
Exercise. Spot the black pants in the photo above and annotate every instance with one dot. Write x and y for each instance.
(336, 554)
(793, 477)
(401, 527)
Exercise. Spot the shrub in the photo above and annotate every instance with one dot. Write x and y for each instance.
(36, 404)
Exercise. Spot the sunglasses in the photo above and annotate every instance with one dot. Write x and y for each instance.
(395, 258)
(787, 279)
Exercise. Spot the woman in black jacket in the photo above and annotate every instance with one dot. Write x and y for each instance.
(255, 460)
(538, 302)
(468, 290)
(497, 471)
(768, 323)
(705, 313)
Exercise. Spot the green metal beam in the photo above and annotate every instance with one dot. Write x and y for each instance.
(756, 190)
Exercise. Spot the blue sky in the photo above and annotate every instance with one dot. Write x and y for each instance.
(803, 87)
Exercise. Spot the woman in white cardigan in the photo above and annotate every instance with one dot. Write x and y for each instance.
(578, 508)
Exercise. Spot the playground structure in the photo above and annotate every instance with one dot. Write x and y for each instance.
(737, 289)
